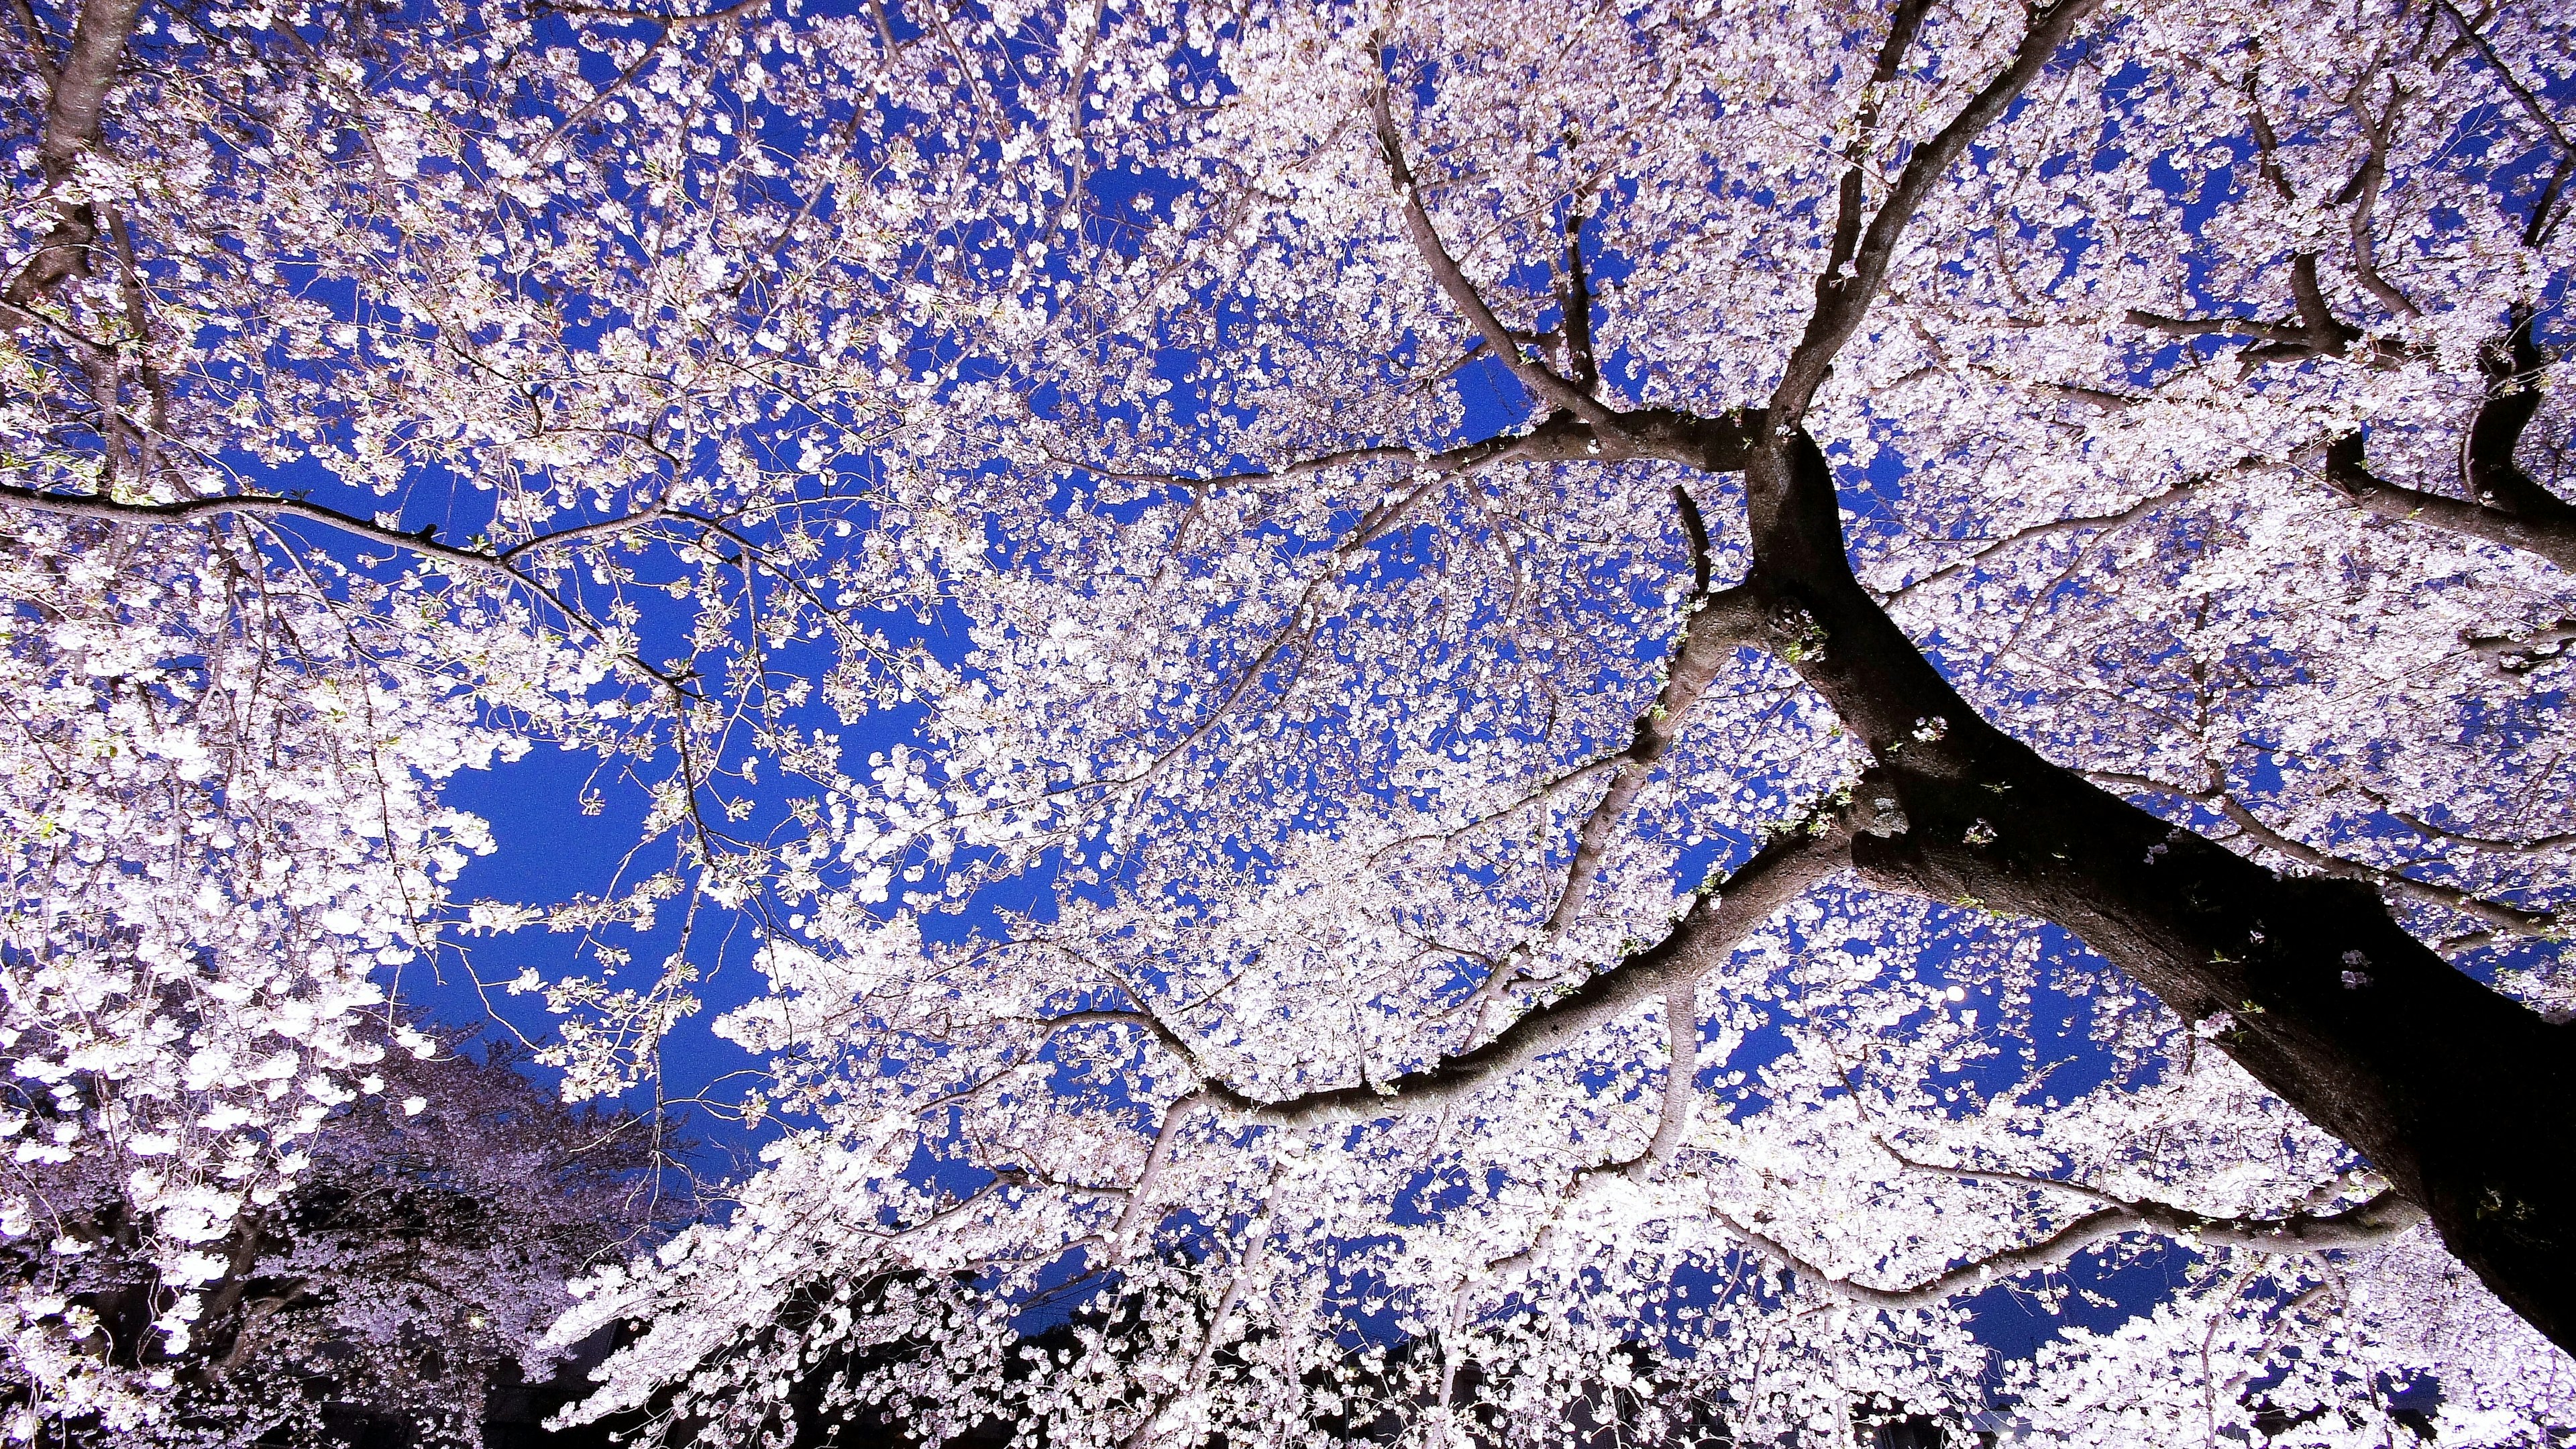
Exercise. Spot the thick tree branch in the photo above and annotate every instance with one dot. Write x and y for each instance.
(2513, 365)
(2323, 996)
(1574, 300)
(2315, 331)
(2510, 919)
(1902, 25)
(1710, 444)
(2214, 326)
(2547, 532)
(1843, 300)
(2325, 332)
(2376, 1221)
(2362, 193)
(74, 115)
(2333, 1004)
(2463, 1099)
(2267, 145)
(2530, 103)
(1681, 1079)
(2320, 332)
(2052, 1251)
(1141, 1192)
(1695, 528)
(2383, 1216)
(1672, 1127)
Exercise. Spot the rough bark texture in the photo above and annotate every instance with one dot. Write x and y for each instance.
(2463, 1098)
(74, 114)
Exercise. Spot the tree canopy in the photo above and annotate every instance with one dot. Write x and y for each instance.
(1416, 696)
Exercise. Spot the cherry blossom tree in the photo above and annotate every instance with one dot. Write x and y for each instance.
(1560, 598)
(289, 297)
(1675, 674)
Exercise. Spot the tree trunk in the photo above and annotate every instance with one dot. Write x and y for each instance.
(2464, 1099)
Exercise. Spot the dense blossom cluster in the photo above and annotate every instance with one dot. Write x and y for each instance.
(1420, 889)
(1316, 691)
(287, 268)
(215, 856)
(410, 1269)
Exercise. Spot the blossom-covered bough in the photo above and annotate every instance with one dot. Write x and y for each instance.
(1983, 466)
(1675, 678)
(290, 295)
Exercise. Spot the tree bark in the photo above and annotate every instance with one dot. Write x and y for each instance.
(2505, 504)
(2464, 1099)
(74, 114)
